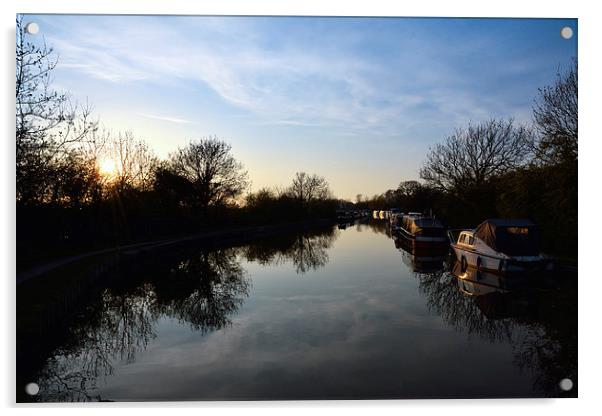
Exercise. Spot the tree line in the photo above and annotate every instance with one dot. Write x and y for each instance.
(499, 168)
(79, 184)
(65, 200)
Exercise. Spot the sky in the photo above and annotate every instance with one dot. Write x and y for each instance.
(356, 100)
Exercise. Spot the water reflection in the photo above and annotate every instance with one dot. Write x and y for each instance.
(118, 327)
(202, 289)
(308, 251)
(310, 338)
(378, 227)
(529, 312)
(421, 260)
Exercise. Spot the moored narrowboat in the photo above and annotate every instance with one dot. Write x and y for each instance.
(422, 231)
(501, 245)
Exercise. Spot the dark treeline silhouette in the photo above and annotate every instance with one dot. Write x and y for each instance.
(79, 185)
(500, 169)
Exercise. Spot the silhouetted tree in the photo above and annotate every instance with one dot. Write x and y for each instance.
(555, 115)
(471, 157)
(45, 122)
(217, 177)
(74, 181)
(408, 189)
(135, 163)
(176, 191)
(309, 188)
(547, 190)
(260, 198)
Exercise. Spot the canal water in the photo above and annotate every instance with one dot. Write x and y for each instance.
(342, 312)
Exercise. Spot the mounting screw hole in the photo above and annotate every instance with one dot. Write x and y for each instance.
(566, 384)
(566, 32)
(32, 28)
(32, 389)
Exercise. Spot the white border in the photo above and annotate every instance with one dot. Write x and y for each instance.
(469, 8)
(589, 230)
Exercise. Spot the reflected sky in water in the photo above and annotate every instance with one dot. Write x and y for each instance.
(335, 313)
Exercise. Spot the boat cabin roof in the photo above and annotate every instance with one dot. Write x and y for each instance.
(509, 222)
(518, 237)
(427, 222)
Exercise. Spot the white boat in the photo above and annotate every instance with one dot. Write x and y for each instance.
(501, 245)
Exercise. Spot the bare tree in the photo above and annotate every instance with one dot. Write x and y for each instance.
(46, 122)
(262, 196)
(555, 115)
(135, 162)
(408, 188)
(472, 157)
(209, 165)
(308, 188)
(74, 181)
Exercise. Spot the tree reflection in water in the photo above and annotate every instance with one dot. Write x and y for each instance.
(202, 290)
(538, 318)
(379, 227)
(205, 290)
(308, 251)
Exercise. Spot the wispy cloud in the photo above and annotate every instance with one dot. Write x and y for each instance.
(302, 75)
(176, 120)
(370, 92)
(288, 83)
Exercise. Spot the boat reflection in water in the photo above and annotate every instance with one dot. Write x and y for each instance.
(527, 310)
(319, 313)
(496, 295)
(475, 282)
(421, 259)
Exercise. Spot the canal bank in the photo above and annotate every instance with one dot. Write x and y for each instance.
(219, 237)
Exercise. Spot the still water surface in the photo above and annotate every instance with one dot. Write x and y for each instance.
(328, 314)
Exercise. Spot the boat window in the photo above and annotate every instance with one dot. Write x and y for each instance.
(471, 240)
(462, 238)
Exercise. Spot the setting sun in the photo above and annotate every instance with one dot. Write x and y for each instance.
(107, 167)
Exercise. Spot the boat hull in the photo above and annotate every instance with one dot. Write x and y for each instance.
(495, 264)
(422, 241)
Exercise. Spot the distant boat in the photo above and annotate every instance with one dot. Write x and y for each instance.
(501, 245)
(344, 215)
(394, 218)
(422, 231)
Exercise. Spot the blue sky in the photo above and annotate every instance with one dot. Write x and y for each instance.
(356, 100)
